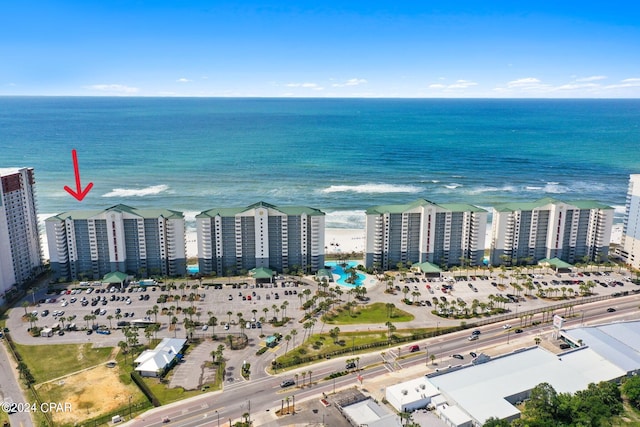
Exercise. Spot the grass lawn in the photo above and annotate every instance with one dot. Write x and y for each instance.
(47, 362)
(320, 344)
(167, 395)
(371, 313)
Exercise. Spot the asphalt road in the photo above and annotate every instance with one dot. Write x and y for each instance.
(10, 389)
(265, 393)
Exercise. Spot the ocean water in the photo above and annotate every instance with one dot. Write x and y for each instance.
(338, 155)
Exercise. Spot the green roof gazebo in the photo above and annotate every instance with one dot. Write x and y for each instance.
(262, 274)
(115, 277)
(556, 263)
(427, 268)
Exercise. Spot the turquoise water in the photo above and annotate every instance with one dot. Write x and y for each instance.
(193, 269)
(339, 155)
(337, 269)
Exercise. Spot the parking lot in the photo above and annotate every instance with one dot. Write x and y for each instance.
(80, 311)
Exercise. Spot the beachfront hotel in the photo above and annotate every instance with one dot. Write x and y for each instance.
(235, 240)
(630, 249)
(442, 234)
(141, 242)
(20, 250)
(573, 231)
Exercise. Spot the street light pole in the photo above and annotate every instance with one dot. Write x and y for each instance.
(130, 397)
(218, 415)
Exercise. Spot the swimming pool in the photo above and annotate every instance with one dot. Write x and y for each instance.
(336, 268)
(193, 269)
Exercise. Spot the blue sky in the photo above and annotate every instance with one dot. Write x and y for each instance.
(320, 49)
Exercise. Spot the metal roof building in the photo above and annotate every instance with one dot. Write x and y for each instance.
(493, 388)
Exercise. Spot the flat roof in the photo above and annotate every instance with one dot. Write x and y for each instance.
(618, 342)
(485, 390)
(370, 413)
(415, 389)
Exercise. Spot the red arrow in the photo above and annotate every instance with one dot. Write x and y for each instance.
(79, 194)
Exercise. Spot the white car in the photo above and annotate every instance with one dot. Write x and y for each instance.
(205, 327)
(507, 326)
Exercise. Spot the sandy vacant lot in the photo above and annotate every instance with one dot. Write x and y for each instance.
(91, 393)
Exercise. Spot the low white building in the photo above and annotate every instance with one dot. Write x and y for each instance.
(369, 413)
(154, 363)
(411, 395)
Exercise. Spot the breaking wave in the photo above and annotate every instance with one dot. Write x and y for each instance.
(137, 192)
(372, 188)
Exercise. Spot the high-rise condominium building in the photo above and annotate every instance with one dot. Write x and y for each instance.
(573, 231)
(631, 234)
(140, 242)
(423, 231)
(20, 250)
(235, 240)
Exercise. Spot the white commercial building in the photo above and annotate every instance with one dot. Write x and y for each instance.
(20, 250)
(140, 242)
(155, 363)
(573, 231)
(630, 250)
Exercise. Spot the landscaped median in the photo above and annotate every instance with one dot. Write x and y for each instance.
(336, 343)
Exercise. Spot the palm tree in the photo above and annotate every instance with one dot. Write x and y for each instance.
(293, 334)
(287, 338)
(109, 317)
(174, 322)
(25, 304)
(86, 318)
(32, 318)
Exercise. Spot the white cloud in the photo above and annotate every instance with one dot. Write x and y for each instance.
(114, 88)
(462, 84)
(591, 78)
(527, 81)
(631, 82)
(459, 84)
(308, 85)
(183, 80)
(350, 82)
(574, 86)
